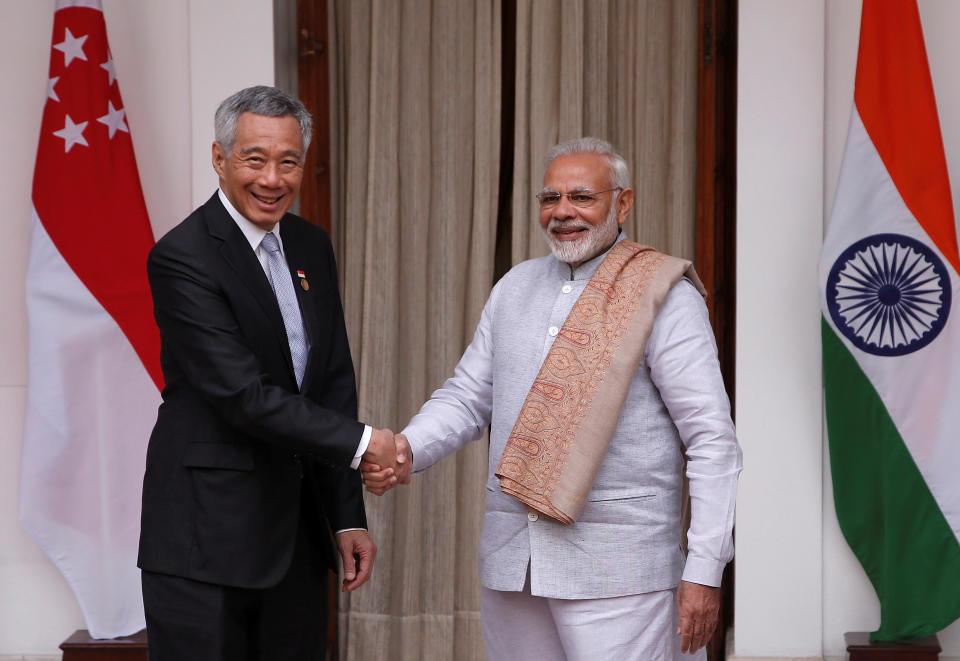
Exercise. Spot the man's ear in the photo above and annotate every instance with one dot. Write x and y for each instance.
(624, 204)
(218, 158)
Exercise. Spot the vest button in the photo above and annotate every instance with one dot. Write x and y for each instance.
(531, 516)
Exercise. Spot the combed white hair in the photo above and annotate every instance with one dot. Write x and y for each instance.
(619, 172)
(259, 100)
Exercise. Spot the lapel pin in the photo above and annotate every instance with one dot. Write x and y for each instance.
(303, 280)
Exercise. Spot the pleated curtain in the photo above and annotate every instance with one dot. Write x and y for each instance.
(621, 70)
(417, 149)
(417, 126)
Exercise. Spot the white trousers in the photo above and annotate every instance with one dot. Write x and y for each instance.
(642, 627)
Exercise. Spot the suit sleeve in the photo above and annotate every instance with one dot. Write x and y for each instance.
(339, 492)
(201, 335)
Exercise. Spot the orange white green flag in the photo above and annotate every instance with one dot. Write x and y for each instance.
(891, 347)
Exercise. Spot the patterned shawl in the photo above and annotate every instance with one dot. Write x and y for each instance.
(571, 412)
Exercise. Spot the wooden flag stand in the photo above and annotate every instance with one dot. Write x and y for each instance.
(861, 649)
(81, 647)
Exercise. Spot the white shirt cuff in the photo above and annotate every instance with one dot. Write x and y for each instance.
(349, 529)
(703, 571)
(364, 442)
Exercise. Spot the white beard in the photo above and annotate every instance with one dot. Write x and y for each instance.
(597, 238)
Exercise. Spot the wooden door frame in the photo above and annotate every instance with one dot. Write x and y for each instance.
(715, 259)
(313, 88)
(716, 225)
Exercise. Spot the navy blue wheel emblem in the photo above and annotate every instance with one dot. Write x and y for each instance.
(889, 294)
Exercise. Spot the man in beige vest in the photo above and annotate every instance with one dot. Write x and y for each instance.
(597, 371)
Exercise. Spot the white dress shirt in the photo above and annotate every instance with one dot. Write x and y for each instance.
(254, 235)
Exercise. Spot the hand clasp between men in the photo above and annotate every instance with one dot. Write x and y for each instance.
(387, 461)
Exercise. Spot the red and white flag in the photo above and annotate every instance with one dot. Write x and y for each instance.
(94, 350)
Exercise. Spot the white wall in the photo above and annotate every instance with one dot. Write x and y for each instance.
(779, 210)
(175, 61)
(798, 586)
(231, 47)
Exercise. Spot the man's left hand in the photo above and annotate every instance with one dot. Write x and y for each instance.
(698, 607)
(357, 552)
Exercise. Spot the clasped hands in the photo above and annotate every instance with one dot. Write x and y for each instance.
(387, 461)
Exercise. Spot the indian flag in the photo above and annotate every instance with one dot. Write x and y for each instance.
(891, 347)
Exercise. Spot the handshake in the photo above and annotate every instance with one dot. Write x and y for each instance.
(387, 461)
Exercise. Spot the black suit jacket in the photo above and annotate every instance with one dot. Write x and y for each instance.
(235, 443)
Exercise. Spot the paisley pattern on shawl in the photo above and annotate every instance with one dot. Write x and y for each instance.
(568, 418)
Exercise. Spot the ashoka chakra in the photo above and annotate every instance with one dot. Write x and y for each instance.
(889, 294)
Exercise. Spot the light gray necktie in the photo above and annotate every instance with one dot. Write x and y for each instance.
(282, 284)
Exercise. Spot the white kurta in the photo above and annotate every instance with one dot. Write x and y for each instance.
(626, 541)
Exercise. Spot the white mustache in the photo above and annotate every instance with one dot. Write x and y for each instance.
(568, 225)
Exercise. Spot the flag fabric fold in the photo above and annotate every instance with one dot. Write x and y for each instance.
(891, 346)
(93, 358)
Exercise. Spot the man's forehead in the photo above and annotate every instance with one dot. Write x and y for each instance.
(256, 147)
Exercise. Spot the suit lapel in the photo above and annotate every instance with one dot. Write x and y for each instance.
(237, 253)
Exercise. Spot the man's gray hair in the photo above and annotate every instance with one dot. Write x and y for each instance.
(619, 172)
(260, 100)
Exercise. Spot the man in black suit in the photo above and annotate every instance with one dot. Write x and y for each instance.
(252, 462)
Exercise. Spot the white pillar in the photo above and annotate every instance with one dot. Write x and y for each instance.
(779, 228)
(231, 47)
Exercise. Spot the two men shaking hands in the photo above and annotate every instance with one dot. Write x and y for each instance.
(594, 367)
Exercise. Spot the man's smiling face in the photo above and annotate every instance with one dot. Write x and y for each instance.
(578, 233)
(261, 176)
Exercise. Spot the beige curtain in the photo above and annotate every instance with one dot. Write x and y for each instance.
(621, 70)
(416, 126)
(417, 131)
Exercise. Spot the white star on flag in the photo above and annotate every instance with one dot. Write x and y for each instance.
(52, 93)
(72, 134)
(113, 119)
(108, 66)
(71, 47)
